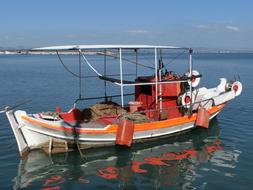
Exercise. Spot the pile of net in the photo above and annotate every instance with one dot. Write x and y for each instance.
(102, 109)
(136, 117)
(50, 115)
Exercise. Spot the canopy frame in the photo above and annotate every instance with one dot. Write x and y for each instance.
(158, 80)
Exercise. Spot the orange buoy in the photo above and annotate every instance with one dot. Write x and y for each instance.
(202, 118)
(125, 132)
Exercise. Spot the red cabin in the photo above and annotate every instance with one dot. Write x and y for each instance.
(146, 95)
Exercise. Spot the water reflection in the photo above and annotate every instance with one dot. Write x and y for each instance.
(176, 161)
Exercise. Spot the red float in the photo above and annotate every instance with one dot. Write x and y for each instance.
(202, 118)
(125, 133)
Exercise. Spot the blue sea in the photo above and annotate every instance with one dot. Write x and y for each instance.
(220, 157)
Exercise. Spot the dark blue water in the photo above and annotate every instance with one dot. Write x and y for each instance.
(217, 158)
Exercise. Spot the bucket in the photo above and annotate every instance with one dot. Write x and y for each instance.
(134, 106)
(125, 133)
(202, 118)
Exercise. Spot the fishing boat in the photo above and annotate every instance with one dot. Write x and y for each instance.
(160, 104)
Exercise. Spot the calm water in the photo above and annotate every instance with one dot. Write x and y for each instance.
(219, 157)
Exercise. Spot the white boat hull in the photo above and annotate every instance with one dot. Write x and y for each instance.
(31, 137)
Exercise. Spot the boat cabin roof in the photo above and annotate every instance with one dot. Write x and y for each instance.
(83, 47)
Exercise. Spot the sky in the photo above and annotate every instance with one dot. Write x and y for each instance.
(189, 23)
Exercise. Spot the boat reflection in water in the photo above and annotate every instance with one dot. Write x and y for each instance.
(176, 161)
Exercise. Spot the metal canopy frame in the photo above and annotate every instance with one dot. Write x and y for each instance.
(90, 47)
(158, 80)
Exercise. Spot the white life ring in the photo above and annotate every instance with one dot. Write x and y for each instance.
(237, 88)
(186, 99)
(195, 81)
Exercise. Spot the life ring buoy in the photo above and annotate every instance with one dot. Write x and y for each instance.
(186, 99)
(195, 81)
(237, 88)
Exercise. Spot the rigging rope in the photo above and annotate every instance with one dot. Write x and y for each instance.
(74, 74)
(89, 76)
(114, 56)
(88, 63)
(128, 60)
(67, 69)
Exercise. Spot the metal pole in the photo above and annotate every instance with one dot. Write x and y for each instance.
(80, 76)
(136, 60)
(121, 77)
(190, 68)
(156, 79)
(160, 85)
(105, 75)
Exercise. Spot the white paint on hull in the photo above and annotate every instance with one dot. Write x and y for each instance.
(29, 136)
(41, 134)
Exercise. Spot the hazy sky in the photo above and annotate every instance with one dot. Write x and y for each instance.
(195, 23)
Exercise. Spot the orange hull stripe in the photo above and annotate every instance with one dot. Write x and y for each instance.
(138, 127)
